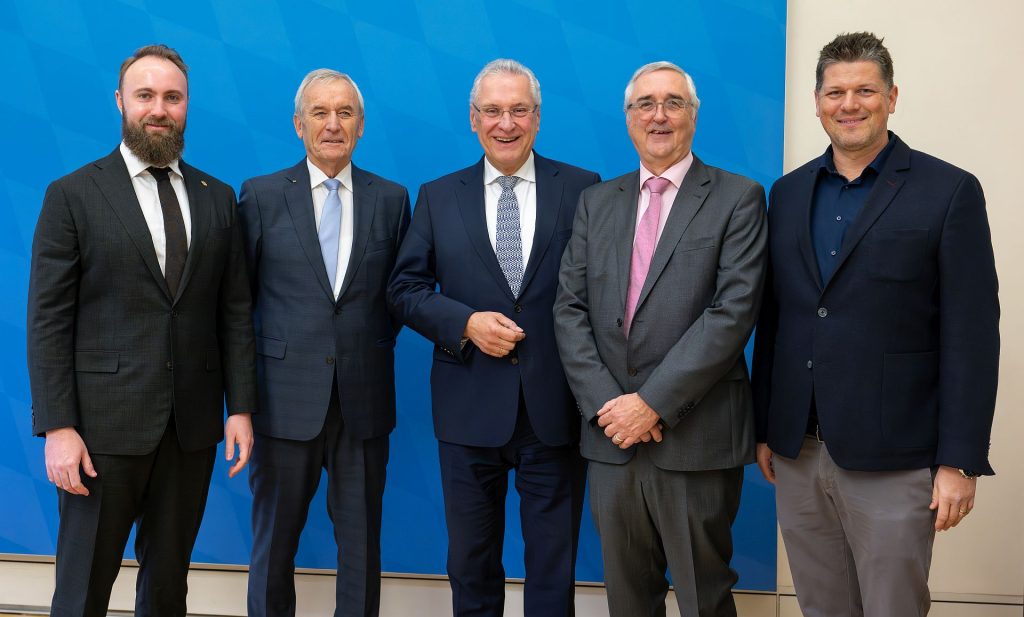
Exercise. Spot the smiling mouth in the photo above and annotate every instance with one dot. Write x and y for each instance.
(659, 132)
(506, 140)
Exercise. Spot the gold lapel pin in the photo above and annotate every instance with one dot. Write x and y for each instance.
(203, 182)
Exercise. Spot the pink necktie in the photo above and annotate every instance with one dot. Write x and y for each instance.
(643, 247)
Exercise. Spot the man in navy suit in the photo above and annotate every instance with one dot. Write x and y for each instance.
(491, 237)
(320, 241)
(877, 349)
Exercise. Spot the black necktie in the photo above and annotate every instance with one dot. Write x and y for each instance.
(174, 230)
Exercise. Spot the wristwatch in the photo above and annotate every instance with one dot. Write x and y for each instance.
(970, 475)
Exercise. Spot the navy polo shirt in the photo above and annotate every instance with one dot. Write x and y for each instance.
(837, 202)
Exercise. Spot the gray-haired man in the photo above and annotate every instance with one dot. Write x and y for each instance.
(320, 240)
(658, 292)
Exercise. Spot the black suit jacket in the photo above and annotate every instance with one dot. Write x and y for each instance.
(304, 337)
(475, 396)
(110, 352)
(900, 348)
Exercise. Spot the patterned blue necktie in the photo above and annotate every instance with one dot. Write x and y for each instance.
(508, 242)
(330, 228)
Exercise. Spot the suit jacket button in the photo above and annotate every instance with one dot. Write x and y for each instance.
(170, 366)
(810, 364)
(823, 312)
(514, 361)
(337, 311)
(618, 322)
(632, 371)
(518, 308)
(330, 359)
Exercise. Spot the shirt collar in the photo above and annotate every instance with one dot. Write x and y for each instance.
(136, 166)
(527, 172)
(673, 174)
(827, 163)
(317, 176)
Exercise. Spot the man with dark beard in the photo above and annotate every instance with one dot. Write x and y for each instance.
(138, 325)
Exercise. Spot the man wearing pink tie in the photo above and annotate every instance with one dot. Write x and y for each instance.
(658, 291)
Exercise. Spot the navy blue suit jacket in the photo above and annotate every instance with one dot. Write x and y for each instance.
(475, 397)
(304, 338)
(900, 348)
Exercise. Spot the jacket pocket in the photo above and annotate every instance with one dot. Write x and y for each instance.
(270, 347)
(96, 361)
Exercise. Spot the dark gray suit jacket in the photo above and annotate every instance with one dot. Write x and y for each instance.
(110, 352)
(684, 355)
(305, 339)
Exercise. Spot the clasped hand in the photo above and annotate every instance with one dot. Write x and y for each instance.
(628, 420)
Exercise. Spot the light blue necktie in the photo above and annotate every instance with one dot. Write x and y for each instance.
(508, 242)
(330, 228)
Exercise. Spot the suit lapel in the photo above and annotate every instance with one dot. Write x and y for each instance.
(888, 184)
(549, 204)
(470, 195)
(299, 197)
(689, 199)
(804, 201)
(364, 202)
(116, 185)
(624, 218)
(200, 204)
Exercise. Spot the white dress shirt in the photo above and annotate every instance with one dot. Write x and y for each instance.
(319, 191)
(526, 195)
(146, 191)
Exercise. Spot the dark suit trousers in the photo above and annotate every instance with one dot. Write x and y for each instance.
(550, 481)
(164, 494)
(651, 518)
(284, 475)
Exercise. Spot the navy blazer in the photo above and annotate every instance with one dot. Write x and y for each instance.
(304, 337)
(900, 349)
(475, 397)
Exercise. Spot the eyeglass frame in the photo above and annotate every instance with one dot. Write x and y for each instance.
(662, 104)
(501, 112)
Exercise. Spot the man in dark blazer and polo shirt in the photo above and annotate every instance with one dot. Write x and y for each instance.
(491, 236)
(877, 349)
(320, 241)
(138, 325)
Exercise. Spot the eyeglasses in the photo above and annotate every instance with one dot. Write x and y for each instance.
(496, 112)
(673, 108)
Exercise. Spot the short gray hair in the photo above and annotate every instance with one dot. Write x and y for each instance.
(320, 76)
(504, 66)
(661, 65)
(854, 47)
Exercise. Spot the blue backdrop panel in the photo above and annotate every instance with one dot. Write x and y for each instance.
(414, 60)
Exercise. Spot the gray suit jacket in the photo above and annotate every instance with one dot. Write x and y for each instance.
(684, 355)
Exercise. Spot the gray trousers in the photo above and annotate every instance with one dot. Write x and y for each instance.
(859, 542)
(650, 519)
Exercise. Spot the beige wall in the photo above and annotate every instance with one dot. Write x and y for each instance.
(960, 95)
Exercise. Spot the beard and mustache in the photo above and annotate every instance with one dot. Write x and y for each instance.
(157, 149)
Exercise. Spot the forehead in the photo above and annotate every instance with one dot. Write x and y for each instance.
(852, 73)
(662, 81)
(154, 73)
(333, 93)
(504, 87)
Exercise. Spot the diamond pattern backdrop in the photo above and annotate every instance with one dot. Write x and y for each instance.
(414, 60)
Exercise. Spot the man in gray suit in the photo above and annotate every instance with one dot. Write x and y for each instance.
(658, 292)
